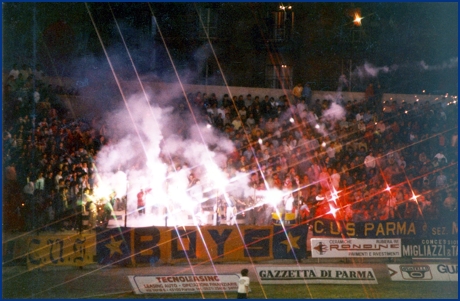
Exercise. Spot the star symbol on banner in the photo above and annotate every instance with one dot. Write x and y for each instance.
(114, 246)
(291, 241)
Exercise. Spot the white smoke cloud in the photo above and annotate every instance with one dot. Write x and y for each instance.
(147, 150)
(452, 63)
(369, 70)
(335, 112)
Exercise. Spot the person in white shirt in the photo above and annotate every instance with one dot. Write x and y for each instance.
(14, 72)
(40, 183)
(237, 123)
(243, 285)
(369, 161)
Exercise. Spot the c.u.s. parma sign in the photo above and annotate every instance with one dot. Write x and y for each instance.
(131, 246)
(446, 229)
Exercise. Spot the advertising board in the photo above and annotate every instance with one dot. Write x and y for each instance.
(146, 284)
(423, 272)
(353, 247)
(315, 275)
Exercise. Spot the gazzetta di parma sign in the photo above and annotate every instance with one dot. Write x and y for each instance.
(315, 275)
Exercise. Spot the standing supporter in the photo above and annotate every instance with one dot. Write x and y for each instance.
(243, 285)
(306, 94)
(297, 92)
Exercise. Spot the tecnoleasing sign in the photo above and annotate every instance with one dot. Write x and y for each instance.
(315, 274)
(184, 283)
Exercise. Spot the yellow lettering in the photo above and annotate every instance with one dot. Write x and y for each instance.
(411, 229)
(351, 229)
(368, 227)
(401, 228)
(333, 229)
(391, 228)
(380, 230)
(317, 228)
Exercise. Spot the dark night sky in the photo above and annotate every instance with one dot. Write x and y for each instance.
(396, 34)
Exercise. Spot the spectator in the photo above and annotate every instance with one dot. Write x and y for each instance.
(297, 92)
(14, 72)
(306, 94)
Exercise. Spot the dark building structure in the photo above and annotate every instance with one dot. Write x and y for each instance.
(260, 44)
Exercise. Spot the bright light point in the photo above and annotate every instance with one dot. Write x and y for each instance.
(423, 91)
(388, 188)
(208, 126)
(416, 99)
(317, 126)
(357, 20)
(333, 211)
(405, 112)
(323, 144)
(291, 120)
(260, 141)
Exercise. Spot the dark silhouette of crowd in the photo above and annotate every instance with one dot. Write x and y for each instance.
(397, 162)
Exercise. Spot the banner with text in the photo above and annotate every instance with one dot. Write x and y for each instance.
(184, 283)
(446, 229)
(430, 248)
(61, 250)
(352, 247)
(315, 275)
(423, 272)
(130, 246)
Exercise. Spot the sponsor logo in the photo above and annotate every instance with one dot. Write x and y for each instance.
(423, 272)
(448, 269)
(416, 272)
(315, 274)
(320, 248)
(353, 247)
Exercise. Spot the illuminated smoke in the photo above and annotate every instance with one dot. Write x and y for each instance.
(335, 112)
(173, 150)
(370, 71)
(343, 83)
(452, 63)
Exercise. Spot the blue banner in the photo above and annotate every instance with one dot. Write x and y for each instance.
(447, 229)
(131, 246)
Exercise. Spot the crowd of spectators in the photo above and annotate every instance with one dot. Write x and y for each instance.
(46, 153)
(397, 162)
